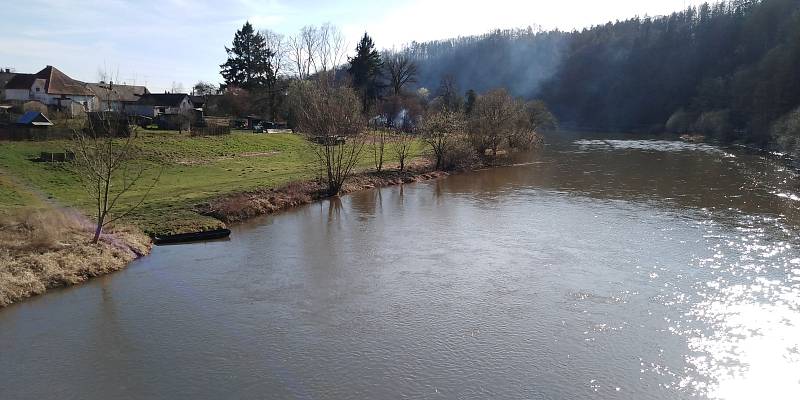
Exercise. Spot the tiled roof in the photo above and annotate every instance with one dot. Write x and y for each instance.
(162, 99)
(116, 92)
(56, 82)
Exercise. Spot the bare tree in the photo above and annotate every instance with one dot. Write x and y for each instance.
(297, 56)
(493, 119)
(315, 49)
(402, 148)
(279, 46)
(204, 89)
(309, 37)
(106, 163)
(331, 118)
(498, 120)
(379, 147)
(331, 47)
(534, 118)
(402, 71)
(441, 130)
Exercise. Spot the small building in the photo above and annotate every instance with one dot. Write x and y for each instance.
(155, 104)
(51, 87)
(33, 118)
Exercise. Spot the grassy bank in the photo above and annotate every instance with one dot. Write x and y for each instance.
(194, 170)
(47, 248)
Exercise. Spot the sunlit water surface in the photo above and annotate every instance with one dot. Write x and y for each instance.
(635, 269)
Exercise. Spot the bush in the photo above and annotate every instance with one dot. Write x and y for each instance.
(459, 155)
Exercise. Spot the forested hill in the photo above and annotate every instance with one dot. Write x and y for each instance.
(729, 69)
(519, 60)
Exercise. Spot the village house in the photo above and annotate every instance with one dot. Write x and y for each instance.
(115, 97)
(155, 104)
(53, 88)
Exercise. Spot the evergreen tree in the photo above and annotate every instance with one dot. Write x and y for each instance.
(365, 70)
(249, 64)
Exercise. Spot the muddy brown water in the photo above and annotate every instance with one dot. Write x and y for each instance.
(615, 268)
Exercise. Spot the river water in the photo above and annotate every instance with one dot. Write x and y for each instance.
(624, 268)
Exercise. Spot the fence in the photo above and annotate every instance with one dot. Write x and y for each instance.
(16, 132)
(211, 131)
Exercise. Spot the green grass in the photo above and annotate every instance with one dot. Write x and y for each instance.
(13, 195)
(192, 170)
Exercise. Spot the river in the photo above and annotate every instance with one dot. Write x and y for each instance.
(615, 268)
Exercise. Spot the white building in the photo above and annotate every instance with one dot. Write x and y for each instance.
(155, 104)
(53, 88)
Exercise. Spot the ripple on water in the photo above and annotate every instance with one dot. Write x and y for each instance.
(743, 331)
(650, 145)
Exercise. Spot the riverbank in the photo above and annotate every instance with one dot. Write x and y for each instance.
(193, 170)
(242, 206)
(44, 249)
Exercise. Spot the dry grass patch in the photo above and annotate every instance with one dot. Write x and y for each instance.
(46, 248)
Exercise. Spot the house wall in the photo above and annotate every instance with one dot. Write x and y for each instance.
(185, 106)
(152, 111)
(17, 94)
(37, 92)
(48, 99)
(143, 110)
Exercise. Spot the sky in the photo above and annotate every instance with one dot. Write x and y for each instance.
(179, 42)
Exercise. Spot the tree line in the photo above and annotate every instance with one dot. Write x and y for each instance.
(728, 70)
(371, 103)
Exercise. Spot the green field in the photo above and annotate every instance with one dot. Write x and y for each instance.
(192, 170)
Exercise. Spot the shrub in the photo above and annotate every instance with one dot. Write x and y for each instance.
(459, 155)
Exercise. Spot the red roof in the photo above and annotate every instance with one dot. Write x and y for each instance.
(56, 82)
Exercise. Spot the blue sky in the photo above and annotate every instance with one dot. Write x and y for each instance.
(161, 42)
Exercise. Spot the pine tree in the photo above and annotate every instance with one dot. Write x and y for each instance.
(365, 70)
(249, 64)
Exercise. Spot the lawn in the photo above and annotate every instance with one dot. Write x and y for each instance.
(191, 170)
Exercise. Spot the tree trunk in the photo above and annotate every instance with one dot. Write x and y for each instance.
(98, 230)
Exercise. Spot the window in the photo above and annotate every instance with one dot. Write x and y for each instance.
(37, 89)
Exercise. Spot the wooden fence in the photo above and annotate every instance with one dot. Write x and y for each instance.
(211, 130)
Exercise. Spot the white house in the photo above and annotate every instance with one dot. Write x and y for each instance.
(155, 104)
(51, 87)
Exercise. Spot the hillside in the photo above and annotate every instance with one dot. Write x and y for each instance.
(728, 70)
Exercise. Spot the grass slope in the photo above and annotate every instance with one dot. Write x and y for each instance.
(192, 170)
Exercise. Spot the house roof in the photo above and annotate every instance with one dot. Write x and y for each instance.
(34, 118)
(56, 82)
(59, 83)
(21, 81)
(115, 92)
(5, 77)
(162, 99)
